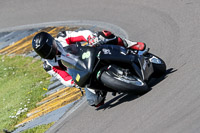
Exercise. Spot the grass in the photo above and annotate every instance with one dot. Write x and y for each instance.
(22, 83)
(39, 129)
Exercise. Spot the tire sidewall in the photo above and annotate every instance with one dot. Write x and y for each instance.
(111, 80)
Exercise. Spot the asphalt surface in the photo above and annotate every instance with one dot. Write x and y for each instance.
(170, 28)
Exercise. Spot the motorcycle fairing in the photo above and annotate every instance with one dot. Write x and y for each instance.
(117, 54)
(80, 62)
(122, 56)
(112, 53)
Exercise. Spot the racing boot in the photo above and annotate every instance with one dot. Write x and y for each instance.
(101, 103)
(101, 97)
(139, 46)
(95, 98)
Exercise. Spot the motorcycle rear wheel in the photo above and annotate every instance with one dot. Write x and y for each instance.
(122, 83)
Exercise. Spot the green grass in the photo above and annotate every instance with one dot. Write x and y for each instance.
(39, 129)
(22, 80)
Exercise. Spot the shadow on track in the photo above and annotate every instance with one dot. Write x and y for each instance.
(155, 81)
(121, 98)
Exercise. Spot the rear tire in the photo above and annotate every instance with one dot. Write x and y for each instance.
(122, 83)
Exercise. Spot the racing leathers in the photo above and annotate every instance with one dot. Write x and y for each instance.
(65, 38)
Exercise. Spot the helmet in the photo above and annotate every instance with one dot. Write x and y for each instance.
(44, 45)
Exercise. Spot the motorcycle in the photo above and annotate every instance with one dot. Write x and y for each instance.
(112, 68)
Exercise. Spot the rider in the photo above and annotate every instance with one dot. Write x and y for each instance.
(50, 49)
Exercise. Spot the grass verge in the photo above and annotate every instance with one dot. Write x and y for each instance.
(39, 129)
(22, 83)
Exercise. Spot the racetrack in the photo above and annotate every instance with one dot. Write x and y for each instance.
(170, 28)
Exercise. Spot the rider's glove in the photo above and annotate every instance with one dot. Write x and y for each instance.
(95, 41)
(62, 34)
(46, 66)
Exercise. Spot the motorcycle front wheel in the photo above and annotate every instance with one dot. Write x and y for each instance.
(122, 83)
(159, 65)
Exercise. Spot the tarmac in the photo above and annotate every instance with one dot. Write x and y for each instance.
(171, 29)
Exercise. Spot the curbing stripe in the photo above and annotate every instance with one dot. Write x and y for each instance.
(47, 110)
(52, 105)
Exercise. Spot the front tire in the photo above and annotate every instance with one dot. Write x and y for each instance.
(122, 83)
(159, 65)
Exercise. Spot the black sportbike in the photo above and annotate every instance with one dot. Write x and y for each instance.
(112, 68)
